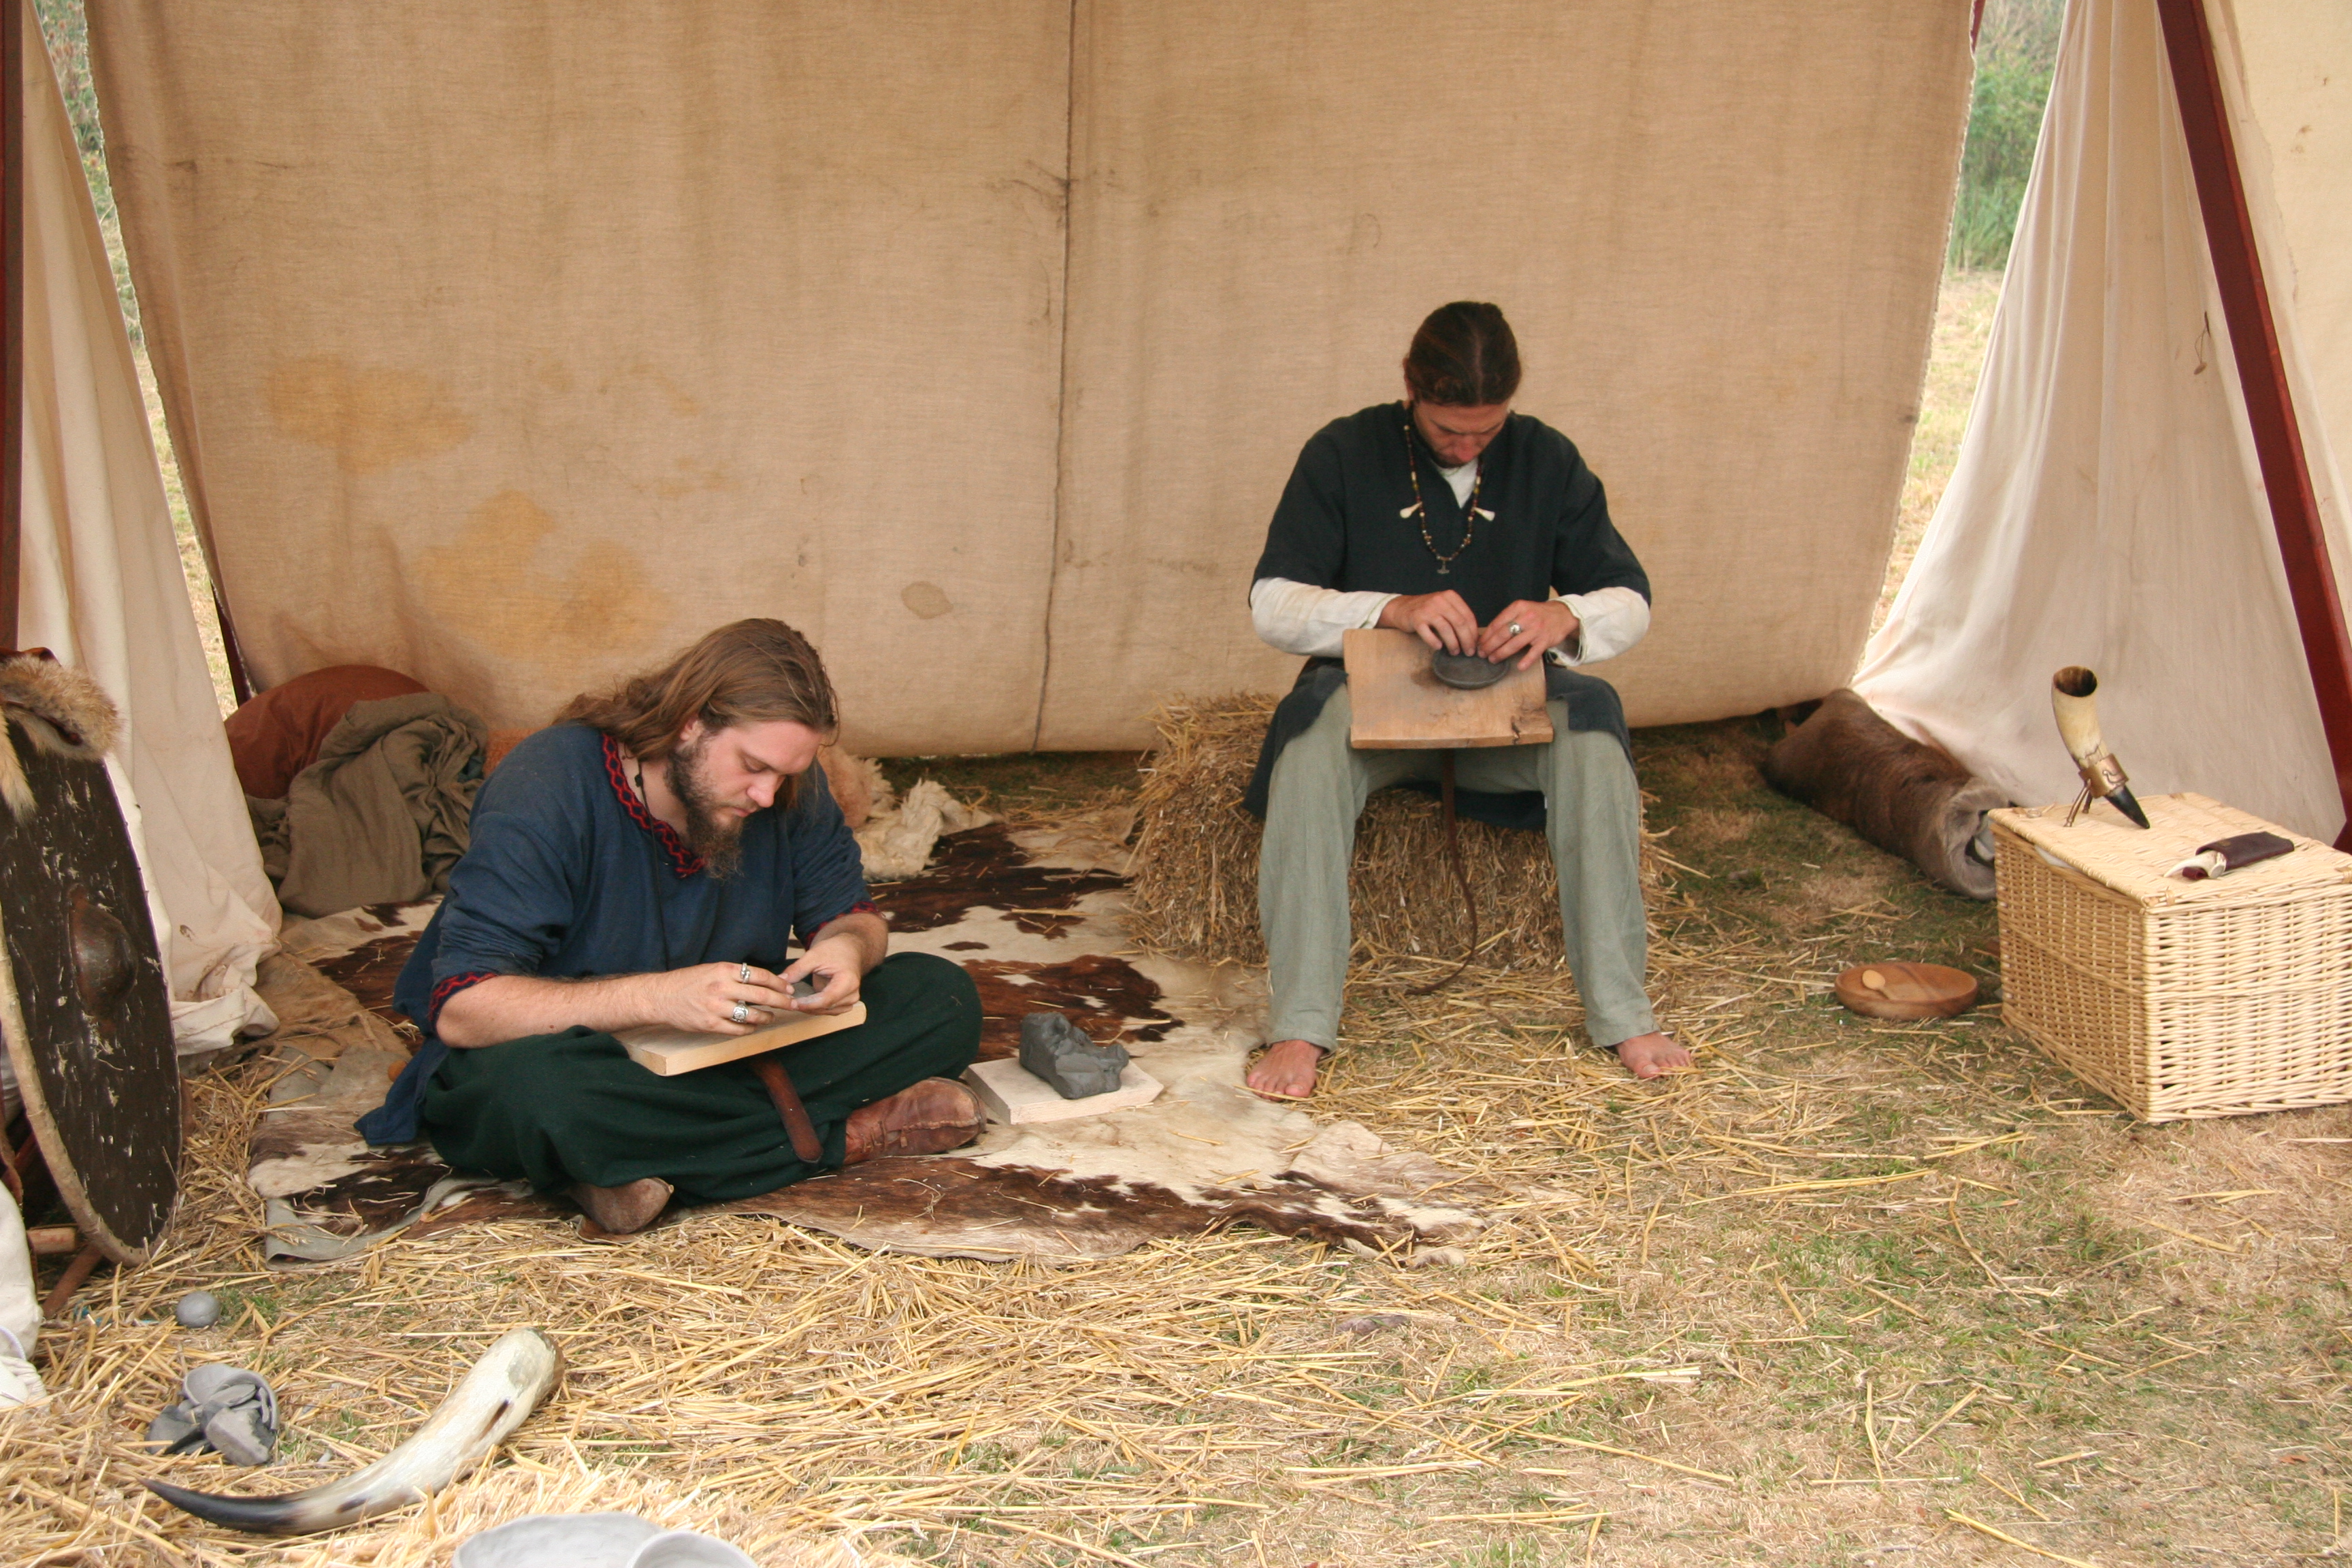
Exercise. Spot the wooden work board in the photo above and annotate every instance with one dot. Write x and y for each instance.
(1400, 706)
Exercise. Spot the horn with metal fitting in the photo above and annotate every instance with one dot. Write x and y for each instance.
(2071, 693)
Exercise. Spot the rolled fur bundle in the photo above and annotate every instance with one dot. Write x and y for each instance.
(58, 710)
(1907, 797)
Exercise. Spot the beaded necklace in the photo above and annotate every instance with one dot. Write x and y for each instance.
(1420, 509)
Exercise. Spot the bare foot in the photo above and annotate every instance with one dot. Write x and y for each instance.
(1287, 1070)
(1653, 1056)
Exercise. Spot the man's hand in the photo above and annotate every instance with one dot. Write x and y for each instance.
(704, 998)
(837, 961)
(1440, 620)
(1543, 625)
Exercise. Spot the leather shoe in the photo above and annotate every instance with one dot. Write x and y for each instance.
(625, 1209)
(927, 1118)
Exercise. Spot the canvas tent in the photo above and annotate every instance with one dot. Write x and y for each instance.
(2113, 501)
(512, 348)
(101, 587)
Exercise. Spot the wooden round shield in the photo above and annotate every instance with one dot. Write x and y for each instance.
(84, 1005)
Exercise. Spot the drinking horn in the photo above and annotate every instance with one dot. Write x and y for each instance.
(2071, 693)
(504, 1387)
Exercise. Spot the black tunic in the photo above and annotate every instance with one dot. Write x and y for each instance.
(1340, 525)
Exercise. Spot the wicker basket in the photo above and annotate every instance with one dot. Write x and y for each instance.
(2177, 998)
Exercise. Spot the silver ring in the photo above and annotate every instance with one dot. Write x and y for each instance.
(743, 1014)
(743, 977)
(1513, 628)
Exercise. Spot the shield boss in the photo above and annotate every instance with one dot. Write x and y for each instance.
(84, 1006)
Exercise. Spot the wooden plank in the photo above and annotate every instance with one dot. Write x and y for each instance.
(1400, 706)
(669, 1052)
(1013, 1095)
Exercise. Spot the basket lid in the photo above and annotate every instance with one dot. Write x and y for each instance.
(2138, 861)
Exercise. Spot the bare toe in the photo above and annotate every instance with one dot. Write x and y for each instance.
(1653, 1056)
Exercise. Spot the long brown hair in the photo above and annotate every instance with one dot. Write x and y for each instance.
(1464, 357)
(748, 672)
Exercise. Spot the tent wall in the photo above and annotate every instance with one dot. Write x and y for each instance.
(514, 348)
(2108, 508)
(102, 589)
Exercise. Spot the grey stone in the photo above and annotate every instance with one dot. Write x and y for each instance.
(198, 1310)
(1059, 1052)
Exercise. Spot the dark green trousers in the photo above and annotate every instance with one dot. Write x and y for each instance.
(554, 1109)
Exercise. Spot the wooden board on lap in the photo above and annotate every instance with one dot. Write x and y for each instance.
(672, 1051)
(1400, 706)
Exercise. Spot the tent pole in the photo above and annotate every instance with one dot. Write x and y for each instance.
(2262, 374)
(12, 311)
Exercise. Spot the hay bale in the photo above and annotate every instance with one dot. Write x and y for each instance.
(1195, 869)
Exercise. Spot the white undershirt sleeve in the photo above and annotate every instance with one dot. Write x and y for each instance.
(1299, 618)
(1611, 621)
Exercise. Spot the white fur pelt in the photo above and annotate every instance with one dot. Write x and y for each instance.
(58, 710)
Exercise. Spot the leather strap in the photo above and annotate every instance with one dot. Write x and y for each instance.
(797, 1125)
(1461, 872)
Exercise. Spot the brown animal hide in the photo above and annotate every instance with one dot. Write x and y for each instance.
(1035, 917)
(1906, 797)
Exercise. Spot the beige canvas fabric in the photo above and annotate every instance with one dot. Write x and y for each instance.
(2108, 509)
(103, 590)
(512, 347)
(2292, 92)
(1718, 232)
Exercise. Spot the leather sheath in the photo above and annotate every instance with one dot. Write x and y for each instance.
(797, 1125)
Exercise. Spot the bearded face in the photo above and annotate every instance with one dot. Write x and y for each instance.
(712, 832)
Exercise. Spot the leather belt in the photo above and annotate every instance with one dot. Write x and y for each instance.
(797, 1125)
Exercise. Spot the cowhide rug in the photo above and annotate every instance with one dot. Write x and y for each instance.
(1033, 916)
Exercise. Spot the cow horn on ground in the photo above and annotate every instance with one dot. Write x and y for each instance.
(1906, 797)
(505, 1386)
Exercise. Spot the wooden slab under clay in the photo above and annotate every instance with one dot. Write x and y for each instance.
(1906, 990)
(1012, 1094)
(1400, 706)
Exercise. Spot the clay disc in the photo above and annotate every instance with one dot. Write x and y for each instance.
(1466, 671)
(1906, 990)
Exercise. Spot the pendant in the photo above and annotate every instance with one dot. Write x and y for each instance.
(1408, 511)
(1444, 570)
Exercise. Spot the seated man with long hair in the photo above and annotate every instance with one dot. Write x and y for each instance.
(647, 860)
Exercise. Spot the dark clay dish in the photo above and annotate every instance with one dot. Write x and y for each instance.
(1466, 671)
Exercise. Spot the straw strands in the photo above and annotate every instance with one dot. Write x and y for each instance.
(1195, 863)
(1845, 1280)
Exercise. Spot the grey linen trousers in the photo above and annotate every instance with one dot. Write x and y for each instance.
(1592, 820)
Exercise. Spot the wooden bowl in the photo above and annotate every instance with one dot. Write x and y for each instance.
(1906, 990)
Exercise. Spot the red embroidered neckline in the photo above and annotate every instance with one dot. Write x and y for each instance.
(684, 861)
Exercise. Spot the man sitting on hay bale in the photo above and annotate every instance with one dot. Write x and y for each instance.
(646, 861)
(1478, 531)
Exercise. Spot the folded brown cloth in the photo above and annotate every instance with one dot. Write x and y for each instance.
(278, 734)
(382, 816)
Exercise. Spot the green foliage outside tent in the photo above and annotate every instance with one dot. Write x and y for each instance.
(2017, 48)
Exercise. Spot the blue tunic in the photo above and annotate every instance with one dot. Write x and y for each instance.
(570, 877)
